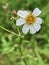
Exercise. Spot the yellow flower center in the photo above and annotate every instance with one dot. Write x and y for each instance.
(30, 19)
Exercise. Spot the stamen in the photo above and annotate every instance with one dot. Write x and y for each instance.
(30, 19)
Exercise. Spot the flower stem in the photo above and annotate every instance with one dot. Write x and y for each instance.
(8, 31)
(21, 49)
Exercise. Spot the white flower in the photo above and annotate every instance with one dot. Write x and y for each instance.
(30, 21)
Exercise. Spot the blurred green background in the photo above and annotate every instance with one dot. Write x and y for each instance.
(34, 48)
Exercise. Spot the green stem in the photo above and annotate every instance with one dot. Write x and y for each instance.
(8, 31)
(21, 50)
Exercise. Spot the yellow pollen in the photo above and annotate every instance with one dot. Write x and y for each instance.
(30, 19)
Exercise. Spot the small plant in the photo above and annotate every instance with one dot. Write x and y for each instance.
(24, 34)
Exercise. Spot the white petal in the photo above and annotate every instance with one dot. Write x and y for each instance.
(22, 13)
(32, 30)
(20, 21)
(36, 26)
(36, 12)
(39, 20)
(25, 28)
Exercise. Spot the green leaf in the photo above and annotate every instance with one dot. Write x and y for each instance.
(6, 46)
(40, 61)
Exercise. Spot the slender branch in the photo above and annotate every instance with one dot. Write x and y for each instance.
(8, 31)
(20, 41)
(21, 50)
